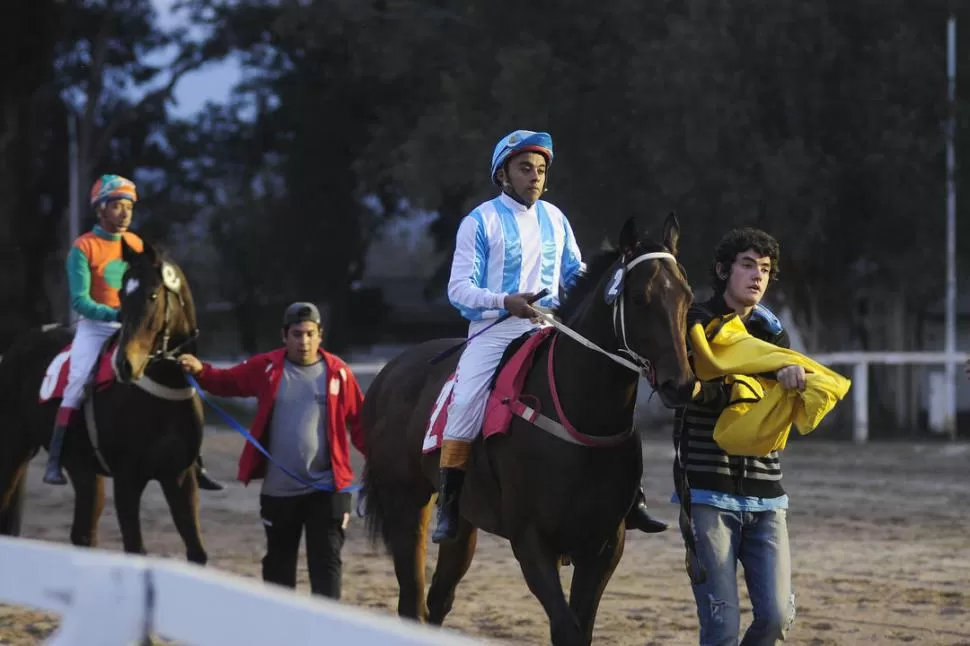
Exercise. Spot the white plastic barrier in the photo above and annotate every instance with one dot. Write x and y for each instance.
(114, 599)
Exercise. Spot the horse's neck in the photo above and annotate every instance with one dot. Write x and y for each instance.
(597, 394)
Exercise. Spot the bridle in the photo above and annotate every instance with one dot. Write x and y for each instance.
(172, 284)
(637, 363)
(164, 353)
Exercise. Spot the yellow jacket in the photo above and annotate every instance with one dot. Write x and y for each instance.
(761, 412)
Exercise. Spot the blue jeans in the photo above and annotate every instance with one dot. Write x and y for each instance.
(759, 540)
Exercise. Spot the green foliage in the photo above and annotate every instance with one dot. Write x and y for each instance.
(820, 122)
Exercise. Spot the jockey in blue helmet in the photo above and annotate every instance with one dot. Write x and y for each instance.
(507, 249)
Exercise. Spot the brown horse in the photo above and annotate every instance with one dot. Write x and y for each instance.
(548, 497)
(149, 422)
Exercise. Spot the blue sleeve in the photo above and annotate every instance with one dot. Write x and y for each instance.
(79, 283)
(572, 262)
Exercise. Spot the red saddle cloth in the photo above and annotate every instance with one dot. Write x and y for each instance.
(55, 379)
(501, 400)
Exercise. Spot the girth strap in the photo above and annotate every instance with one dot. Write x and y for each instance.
(556, 429)
(93, 433)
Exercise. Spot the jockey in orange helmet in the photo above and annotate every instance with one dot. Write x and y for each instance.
(94, 271)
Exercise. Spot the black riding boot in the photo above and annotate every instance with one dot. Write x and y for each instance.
(449, 495)
(205, 482)
(639, 518)
(53, 474)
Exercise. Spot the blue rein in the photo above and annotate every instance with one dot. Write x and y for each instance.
(239, 428)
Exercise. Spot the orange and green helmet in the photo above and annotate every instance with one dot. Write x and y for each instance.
(112, 187)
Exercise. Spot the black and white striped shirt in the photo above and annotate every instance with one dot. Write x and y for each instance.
(709, 467)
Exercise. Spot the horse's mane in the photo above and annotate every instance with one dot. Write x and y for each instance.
(587, 282)
(595, 268)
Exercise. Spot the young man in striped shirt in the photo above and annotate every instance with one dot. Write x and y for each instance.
(737, 506)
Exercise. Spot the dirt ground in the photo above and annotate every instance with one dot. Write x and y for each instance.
(880, 540)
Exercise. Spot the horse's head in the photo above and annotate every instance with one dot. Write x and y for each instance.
(650, 317)
(157, 312)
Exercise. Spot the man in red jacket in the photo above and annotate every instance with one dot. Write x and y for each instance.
(308, 403)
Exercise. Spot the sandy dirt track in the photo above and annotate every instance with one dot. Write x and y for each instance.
(880, 540)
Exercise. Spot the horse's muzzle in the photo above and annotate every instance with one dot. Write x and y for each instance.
(676, 395)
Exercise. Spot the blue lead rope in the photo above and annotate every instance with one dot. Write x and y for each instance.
(259, 447)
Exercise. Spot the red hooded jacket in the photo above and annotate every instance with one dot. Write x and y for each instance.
(260, 377)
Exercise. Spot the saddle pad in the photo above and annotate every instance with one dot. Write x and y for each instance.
(55, 378)
(508, 386)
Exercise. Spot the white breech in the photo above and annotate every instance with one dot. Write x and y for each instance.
(476, 367)
(88, 340)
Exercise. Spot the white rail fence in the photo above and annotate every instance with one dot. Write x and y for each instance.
(860, 362)
(115, 599)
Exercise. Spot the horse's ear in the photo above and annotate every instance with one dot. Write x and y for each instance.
(151, 254)
(672, 232)
(629, 237)
(127, 253)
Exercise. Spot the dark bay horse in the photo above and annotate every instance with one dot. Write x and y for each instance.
(549, 498)
(149, 422)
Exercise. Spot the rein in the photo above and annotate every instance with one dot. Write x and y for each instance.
(562, 429)
(172, 284)
(164, 352)
(640, 365)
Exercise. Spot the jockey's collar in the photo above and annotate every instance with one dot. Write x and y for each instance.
(515, 204)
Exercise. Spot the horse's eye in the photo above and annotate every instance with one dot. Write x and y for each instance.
(154, 296)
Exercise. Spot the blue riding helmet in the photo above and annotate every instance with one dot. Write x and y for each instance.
(520, 141)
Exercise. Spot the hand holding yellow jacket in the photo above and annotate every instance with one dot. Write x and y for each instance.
(760, 412)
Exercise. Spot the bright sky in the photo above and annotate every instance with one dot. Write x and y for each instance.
(212, 83)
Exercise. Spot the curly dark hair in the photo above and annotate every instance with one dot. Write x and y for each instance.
(738, 241)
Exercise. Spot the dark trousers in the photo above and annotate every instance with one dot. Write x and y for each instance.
(284, 519)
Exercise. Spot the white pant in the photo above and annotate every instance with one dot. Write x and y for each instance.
(88, 339)
(476, 367)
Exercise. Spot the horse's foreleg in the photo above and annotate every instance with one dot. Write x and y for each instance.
(539, 563)
(454, 560)
(591, 574)
(128, 491)
(88, 504)
(182, 495)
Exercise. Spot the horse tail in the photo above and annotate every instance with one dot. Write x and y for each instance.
(374, 507)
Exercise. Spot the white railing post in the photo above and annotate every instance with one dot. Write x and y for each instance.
(108, 603)
(860, 401)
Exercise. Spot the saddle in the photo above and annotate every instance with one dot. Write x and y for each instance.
(55, 378)
(102, 375)
(505, 385)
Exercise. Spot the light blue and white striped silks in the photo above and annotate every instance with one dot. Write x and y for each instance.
(504, 247)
